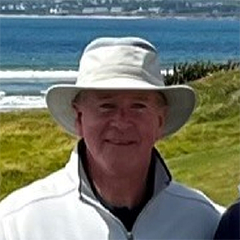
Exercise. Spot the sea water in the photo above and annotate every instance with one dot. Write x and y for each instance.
(38, 52)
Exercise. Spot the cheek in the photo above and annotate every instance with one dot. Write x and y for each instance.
(92, 126)
(147, 130)
(151, 134)
(152, 129)
(91, 135)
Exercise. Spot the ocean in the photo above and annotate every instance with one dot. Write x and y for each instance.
(37, 52)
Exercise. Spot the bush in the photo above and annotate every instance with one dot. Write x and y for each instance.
(186, 72)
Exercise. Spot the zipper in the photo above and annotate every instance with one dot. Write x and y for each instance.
(144, 210)
(129, 235)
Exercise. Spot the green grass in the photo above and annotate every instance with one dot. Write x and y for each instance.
(204, 154)
(31, 147)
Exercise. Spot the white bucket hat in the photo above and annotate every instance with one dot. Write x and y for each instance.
(127, 63)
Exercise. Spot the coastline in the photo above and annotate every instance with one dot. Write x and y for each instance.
(121, 17)
(69, 16)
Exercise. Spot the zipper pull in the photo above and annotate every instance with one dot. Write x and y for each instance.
(130, 236)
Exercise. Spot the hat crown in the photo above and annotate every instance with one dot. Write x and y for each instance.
(131, 57)
(124, 41)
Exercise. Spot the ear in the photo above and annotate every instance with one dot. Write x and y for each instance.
(161, 121)
(78, 119)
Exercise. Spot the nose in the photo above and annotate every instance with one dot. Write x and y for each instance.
(121, 119)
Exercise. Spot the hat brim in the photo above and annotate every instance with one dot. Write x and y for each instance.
(180, 99)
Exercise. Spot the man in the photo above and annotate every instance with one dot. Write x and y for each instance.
(116, 185)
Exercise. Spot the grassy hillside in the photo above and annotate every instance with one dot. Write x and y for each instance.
(206, 153)
(203, 154)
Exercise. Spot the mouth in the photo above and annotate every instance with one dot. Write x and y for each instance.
(118, 142)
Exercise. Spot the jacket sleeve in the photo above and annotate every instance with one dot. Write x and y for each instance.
(2, 235)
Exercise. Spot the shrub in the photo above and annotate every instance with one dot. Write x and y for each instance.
(186, 72)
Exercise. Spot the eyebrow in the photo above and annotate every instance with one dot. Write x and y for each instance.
(105, 96)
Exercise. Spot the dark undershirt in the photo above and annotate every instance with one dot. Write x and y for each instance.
(126, 215)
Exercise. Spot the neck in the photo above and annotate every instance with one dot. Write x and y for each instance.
(117, 189)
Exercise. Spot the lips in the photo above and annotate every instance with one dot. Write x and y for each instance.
(120, 142)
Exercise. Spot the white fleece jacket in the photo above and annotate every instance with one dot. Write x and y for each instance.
(63, 207)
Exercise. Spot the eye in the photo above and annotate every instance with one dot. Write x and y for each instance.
(107, 106)
(139, 106)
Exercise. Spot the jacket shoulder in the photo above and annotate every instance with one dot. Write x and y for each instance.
(193, 197)
(55, 185)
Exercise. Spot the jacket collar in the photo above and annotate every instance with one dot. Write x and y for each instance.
(76, 172)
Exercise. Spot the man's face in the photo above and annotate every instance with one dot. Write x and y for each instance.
(120, 127)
